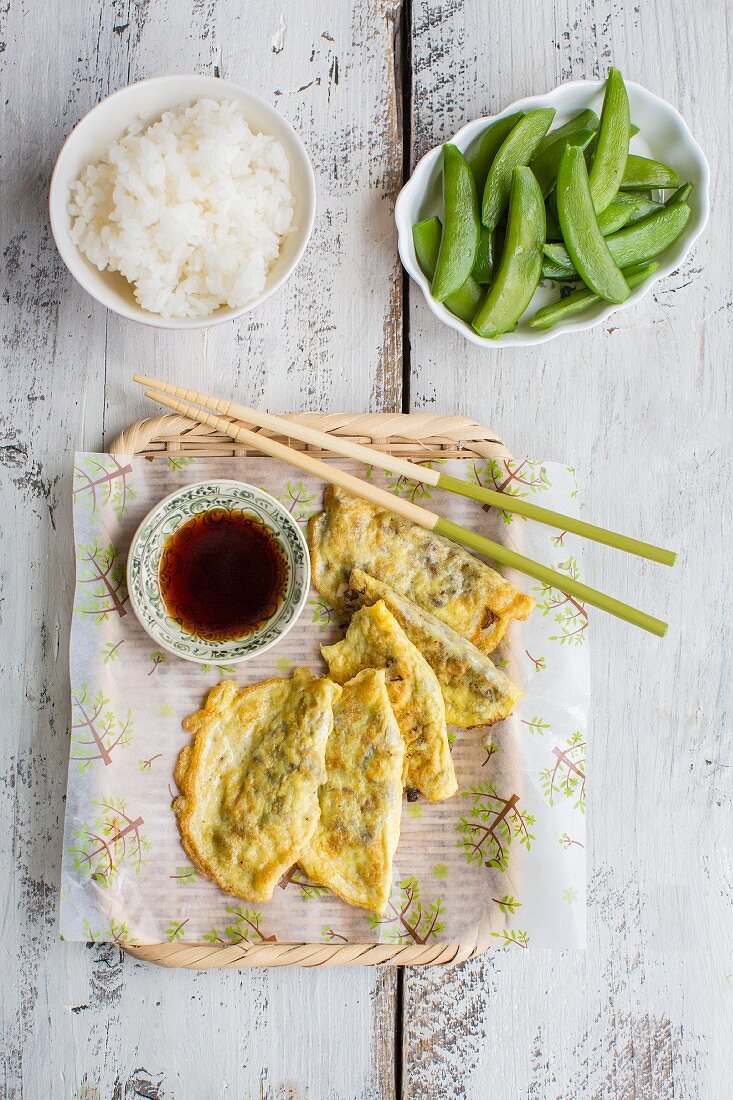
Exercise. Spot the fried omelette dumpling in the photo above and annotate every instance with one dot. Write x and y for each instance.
(456, 587)
(475, 692)
(376, 640)
(352, 849)
(249, 779)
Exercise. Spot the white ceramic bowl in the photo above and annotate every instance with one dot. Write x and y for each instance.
(108, 121)
(663, 136)
(146, 552)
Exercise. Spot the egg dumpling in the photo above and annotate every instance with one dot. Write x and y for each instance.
(249, 779)
(352, 848)
(375, 639)
(475, 692)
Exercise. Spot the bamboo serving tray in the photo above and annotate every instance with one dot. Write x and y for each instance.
(419, 436)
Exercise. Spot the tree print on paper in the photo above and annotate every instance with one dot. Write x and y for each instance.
(408, 919)
(574, 479)
(308, 890)
(512, 937)
(117, 932)
(111, 651)
(178, 462)
(492, 825)
(101, 577)
(324, 615)
(516, 479)
(298, 499)
(568, 613)
(567, 842)
(491, 749)
(112, 841)
(185, 876)
(244, 928)
(567, 776)
(508, 904)
(96, 731)
(176, 930)
(102, 480)
(540, 664)
(535, 724)
(157, 658)
(413, 490)
(329, 935)
(147, 764)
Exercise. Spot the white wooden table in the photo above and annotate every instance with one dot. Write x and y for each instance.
(641, 407)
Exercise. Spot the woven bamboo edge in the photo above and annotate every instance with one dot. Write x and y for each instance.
(419, 436)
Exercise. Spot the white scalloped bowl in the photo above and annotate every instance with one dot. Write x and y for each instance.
(108, 121)
(663, 135)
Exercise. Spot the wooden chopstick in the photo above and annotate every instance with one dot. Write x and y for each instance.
(413, 471)
(415, 513)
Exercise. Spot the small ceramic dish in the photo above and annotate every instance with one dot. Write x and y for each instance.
(146, 552)
(148, 99)
(663, 135)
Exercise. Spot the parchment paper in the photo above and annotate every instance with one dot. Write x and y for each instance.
(505, 854)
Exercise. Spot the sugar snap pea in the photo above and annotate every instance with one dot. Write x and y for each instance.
(585, 243)
(551, 270)
(426, 237)
(485, 263)
(585, 120)
(612, 146)
(625, 209)
(521, 260)
(614, 217)
(553, 231)
(545, 165)
(641, 173)
(634, 244)
(517, 149)
(486, 146)
(459, 241)
(682, 194)
(582, 299)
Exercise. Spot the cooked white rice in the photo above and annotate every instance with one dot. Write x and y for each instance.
(192, 209)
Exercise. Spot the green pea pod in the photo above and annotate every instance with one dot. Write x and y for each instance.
(581, 300)
(641, 173)
(614, 217)
(459, 241)
(545, 166)
(521, 260)
(555, 272)
(682, 194)
(585, 120)
(625, 209)
(584, 241)
(483, 268)
(553, 231)
(517, 149)
(486, 146)
(634, 244)
(590, 151)
(426, 238)
(612, 146)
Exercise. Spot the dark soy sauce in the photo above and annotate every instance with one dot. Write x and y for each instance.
(222, 575)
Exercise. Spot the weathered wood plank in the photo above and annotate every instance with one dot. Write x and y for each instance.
(88, 1022)
(643, 408)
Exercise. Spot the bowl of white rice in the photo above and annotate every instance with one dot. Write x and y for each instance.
(182, 201)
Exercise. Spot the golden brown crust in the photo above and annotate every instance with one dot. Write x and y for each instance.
(441, 577)
(249, 779)
(352, 848)
(376, 640)
(475, 692)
